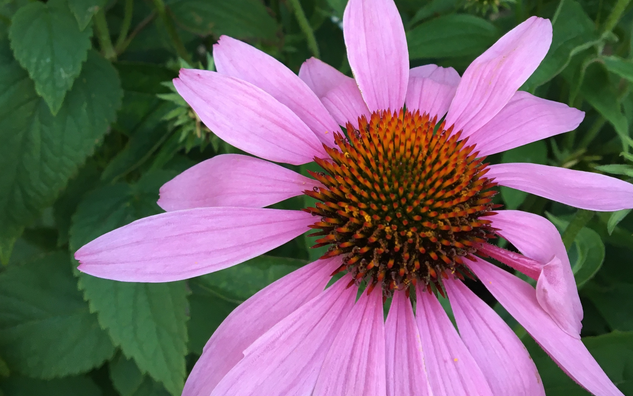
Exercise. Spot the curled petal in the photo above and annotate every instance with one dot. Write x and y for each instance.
(261, 312)
(519, 299)
(539, 239)
(232, 180)
(377, 52)
(186, 243)
(248, 118)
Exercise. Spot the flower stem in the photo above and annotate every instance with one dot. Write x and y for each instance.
(171, 30)
(103, 35)
(614, 17)
(125, 25)
(305, 27)
(576, 224)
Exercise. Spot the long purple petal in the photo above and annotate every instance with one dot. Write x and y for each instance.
(431, 89)
(377, 52)
(252, 319)
(186, 243)
(498, 351)
(248, 118)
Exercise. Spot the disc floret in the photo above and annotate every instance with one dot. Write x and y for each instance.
(402, 200)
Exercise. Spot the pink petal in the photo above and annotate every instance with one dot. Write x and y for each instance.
(525, 119)
(519, 262)
(498, 351)
(186, 243)
(232, 180)
(377, 52)
(431, 89)
(261, 312)
(248, 118)
(494, 77)
(519, 298)
(240, 60)
(451, 369)
(406, 374)
(585, 190)
(286, 360)
(539, 239)
(355, 363)
(339, 93)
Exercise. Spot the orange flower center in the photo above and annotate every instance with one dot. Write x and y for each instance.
(403, 201)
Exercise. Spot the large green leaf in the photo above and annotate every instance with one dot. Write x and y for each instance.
(535, 153)
(147, 320)
(573, 32)
(619, 66)
(214, 296)
(613, 351)
(614, 302)
(128, 380)
(75, 386)
(236, 18)
(39, 151)
(85, 9)
(48, 43)
(451, 36)
(46, 329)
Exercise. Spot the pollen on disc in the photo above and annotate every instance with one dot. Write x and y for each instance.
(404, 200)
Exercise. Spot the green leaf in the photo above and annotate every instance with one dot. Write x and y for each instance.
(451, 36)
(39, 151)
(621, 67)
(46, 328)
(83, 10)
(253, 275)
(616, 169)
(586, 253)
(208, 310)
(432, 8)
(47, 42)
(614, 302)
(613, 351)
(616, 218)
(573, 32)
(597, 89)
(236, 18)
(535, 153)
(147, 320)
(128, 380)
(75, 386)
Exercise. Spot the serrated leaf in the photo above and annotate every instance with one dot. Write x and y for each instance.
(128, 380)
(48, 43)
(46, 328)
(83, 10)
(586, 255)
(613, 351)
(148, 321)
(75, 386)
(236, 18)
(535, 153)
(39, 151)
(451, 36)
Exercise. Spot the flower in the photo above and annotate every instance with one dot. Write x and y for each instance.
(404, 206)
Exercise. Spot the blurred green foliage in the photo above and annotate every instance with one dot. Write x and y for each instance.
(90, 128)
